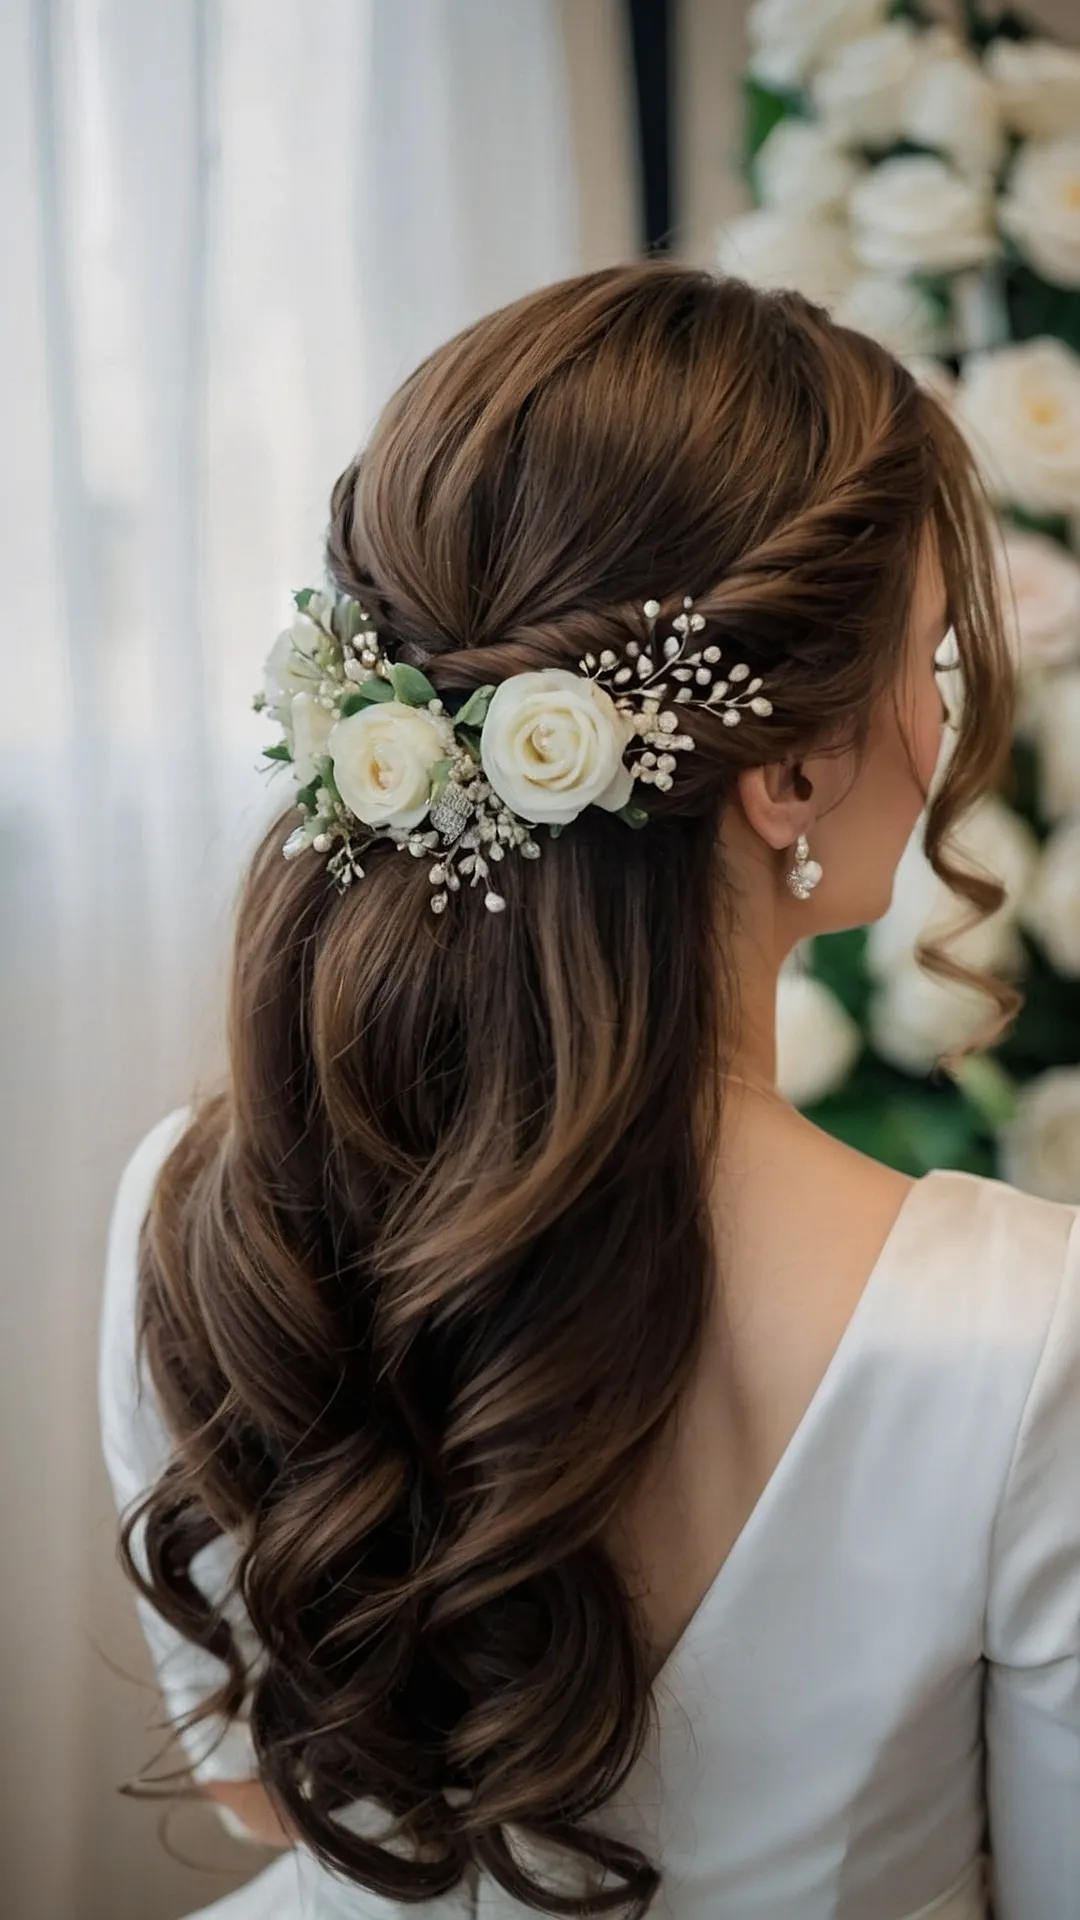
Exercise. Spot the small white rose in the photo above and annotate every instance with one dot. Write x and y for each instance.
(1040, 208)
(1040, 1144)
(931, 374)
(916, 214)
(991, 839)
(788, 37)
(1057, 734)
(1040, 581)
(817, 1041)
(1052, 908)
(859, 89)
(799, 168)
(893, 310)
(382, 758)
(949, 104)
(1038, 85)
(291, 667)
(913, 1019)
(774, 249)
(552, 743)
(311, 728)
(1019, 407)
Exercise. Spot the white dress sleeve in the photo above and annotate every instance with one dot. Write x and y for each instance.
(136, 1446)
(1033, 1636)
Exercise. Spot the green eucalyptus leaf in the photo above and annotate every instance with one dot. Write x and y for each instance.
(555, 828)
(411, 686)
(366, 693)
(440, 774)
(474, 710)
(280, 751)
(302, 597)
(305, 796)
(634, 816)
(470, 737)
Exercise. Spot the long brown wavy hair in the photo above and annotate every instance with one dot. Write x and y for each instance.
(422, 1287)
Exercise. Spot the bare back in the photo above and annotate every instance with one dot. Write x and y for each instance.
(801, 1220)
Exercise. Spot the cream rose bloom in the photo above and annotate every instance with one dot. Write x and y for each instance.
(1040, 1144)
(1057, 736)
(291, 668)
(916, 214)
(788, 37)
(552, 743)
(948, 103)
(817, 1041)
(913, 1019)
(771, 248)
(1040, 208)
(859, 89)
(1019, 407)
(382, 759)
(892, 310)
(992, 839)
(799, 168)
(1038, 85)
(1052, 908)
(1040, 598)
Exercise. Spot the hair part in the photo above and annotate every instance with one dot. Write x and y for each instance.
(422, 1287)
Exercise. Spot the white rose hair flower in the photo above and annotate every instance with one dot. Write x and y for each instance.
(376, 754)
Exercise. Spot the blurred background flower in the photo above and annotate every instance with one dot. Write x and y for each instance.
(917, 171)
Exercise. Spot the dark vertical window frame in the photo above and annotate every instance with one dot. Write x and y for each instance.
(651, 25)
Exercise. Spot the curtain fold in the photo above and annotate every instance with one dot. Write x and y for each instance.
(231, 226)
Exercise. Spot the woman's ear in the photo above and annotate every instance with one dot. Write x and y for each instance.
(777, 800)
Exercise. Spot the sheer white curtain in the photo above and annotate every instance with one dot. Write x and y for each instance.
(230, 226)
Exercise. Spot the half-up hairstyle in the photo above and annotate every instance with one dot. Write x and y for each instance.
(422, 1287)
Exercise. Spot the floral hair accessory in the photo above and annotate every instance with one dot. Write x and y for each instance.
(377, 755)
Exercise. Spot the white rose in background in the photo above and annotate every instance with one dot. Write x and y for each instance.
(897, 312)
(859, 89)
(991, 839)
(937, 379)
(291, 668)
(1051, 910)
(788, 37)
(914, 1019)
(382, 758)
(311, 726)
(949, 104)
(1040, 597)
(800, 169)
(1057, 732)
(774, 249)
(1019, 407)
(1037, 84)
(1040, 208)
(1040, 1144)
(817, 1041)
(916, 214)
(552, 743)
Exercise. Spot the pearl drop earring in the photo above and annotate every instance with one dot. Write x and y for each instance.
(803, 877)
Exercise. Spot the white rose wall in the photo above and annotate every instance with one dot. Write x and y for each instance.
(922, 180)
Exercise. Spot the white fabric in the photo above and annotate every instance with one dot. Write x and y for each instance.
(884, 1678)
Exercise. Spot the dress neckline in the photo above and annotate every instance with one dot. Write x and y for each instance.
(824, 1393)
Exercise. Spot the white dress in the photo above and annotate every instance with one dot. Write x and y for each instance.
(874, 1713)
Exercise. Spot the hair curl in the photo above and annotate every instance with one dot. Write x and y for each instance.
(421, 1288)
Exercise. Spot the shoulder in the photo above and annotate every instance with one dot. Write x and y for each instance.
(134, 1440)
